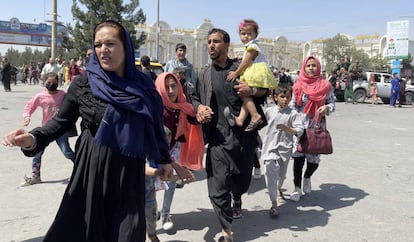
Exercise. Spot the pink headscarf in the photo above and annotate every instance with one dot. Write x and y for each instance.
(181, 103)
(316, 88)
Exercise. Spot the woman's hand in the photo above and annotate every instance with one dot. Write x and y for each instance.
(166, 172)
(204, 114)
(323, 110)
(185, 175)
(19, 138)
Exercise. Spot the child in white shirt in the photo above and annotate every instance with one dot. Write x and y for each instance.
(283, 124)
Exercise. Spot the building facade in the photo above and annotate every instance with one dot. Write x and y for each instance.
(279, 51)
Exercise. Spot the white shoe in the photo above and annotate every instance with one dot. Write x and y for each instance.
(167, 223)
(295, 196)
(307, 186)
(257, 173)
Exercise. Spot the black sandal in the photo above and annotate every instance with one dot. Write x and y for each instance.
(274, 212)
(237, 210)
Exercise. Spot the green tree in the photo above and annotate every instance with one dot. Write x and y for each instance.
(99, 10)
(335, 47)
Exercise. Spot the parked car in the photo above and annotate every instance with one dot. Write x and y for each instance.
(361, 88)
(156, 67)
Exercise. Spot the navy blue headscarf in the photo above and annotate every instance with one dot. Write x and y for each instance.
(132, 124)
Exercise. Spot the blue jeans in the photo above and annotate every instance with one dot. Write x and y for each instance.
(150, 205)
(63, 143)
(168, 198)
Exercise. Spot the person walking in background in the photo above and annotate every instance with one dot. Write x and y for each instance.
(403, 85)
(312, 96)
(146, 67)
(254, 70)
(284, 78)
(343, 63)
(181, 60)
(395, 90)
(346, 78)
(177, 112)
(230, 150)
(51, 66)
(49, 100)
(6, 74)
(373, 91)
(74, 70)
(284, 124)
(122, 125)
(33, 74)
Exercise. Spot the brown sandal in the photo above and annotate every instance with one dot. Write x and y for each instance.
(253, 125)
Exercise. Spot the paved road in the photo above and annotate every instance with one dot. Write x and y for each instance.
(363, 192)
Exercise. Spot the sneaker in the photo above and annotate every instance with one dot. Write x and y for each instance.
(179, 184)
(307, 186)
(257, 173)
(295, 196)
(28, 181)
(167, 223)
(237, 210)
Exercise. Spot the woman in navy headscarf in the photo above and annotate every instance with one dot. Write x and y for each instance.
(121, 126)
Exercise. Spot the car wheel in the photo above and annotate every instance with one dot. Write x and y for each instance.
(360, 95)
(409, 97)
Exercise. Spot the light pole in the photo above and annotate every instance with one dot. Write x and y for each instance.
(54, 27)
(157, 38)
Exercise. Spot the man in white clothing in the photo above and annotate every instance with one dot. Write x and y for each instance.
(49, 67)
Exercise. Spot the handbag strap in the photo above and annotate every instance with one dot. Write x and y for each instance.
(318, 121)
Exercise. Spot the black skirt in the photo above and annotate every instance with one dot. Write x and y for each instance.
(105, 198)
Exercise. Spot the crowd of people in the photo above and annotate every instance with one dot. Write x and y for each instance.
(135, 127)
(35, 73)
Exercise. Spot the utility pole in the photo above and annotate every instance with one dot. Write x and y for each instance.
(157, 40)
(54, 27)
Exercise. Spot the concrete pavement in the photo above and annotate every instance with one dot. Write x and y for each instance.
(363, 192)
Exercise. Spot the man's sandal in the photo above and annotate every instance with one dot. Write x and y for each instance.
(224, 238)
(274, 212)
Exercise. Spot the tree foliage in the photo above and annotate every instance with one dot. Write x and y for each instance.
(88, 13)
(335, 47)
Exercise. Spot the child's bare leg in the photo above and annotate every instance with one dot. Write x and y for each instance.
(251, 108)
(242, 115)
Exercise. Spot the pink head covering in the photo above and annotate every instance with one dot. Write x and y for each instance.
(250, 22)
(181, 103)
(315, 87)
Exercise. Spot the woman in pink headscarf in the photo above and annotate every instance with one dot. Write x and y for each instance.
(312, 95)
(177, 112)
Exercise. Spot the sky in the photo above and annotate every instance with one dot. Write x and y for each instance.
(298, 20)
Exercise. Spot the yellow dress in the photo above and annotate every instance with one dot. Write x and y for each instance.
(258, 74)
